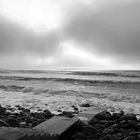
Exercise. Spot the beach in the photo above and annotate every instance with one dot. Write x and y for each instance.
(28, 98)
(60, 90)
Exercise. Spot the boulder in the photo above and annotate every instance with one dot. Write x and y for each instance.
(79, 136)
(3, 123)
(105, 115)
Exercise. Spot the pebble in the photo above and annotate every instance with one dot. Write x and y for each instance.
(85, 105)
(105, 115)
(110, 137)
(130, 138)
(104, 126)
(79, 136)
(3, 123)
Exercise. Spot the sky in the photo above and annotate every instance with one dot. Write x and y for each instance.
(70, 34)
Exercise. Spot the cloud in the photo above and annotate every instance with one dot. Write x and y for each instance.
(15, 39)
(100, 29)
(112, 29)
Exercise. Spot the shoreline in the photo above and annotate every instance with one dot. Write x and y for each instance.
(103, 126)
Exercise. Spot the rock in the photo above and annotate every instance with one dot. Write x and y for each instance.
(110, 137)
(94, 121)
(47, 114)
(89, 130)
(108, 123)
(115, 116)
(130, 138)
(124, 124)
(132, 123)
(85, 105)
(17, 106)
(97, 136)
(2, 110)
(79, 136)
(3, 123)
(23, 124)
(109, 131)
(105, 115)
(134, 133)
(75, 108)
(138, 125)
(68, 114)
(121, 113)
(26, 111)
(13, 122)
(39, 116)
(138, 137)
(129, 117)
(40, 110)
(119, 136)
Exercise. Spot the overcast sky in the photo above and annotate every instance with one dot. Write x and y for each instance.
(70, 34)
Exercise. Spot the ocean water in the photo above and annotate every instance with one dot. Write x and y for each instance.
(60, 90)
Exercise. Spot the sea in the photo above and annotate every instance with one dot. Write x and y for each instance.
(63, 90)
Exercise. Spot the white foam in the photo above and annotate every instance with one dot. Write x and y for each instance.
(126, 102)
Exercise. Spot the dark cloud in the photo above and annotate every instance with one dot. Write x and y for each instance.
(112, 30)
(15, 39)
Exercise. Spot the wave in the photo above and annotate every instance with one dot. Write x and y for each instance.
(67, 98)
(70, 80)
(15, 88)
(11, 88)
(104, 74)
(125, 97)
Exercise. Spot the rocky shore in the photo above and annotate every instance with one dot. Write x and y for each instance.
(107, 126)
(104, 126)
(25, 118)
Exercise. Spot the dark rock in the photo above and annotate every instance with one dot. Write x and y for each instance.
(89, 130)
(129, 117)
(115, 126)
(115, 116)
(121, 113)
(134, 133)
(39, 110)
(138, 125)
(110, 137)
(75, 108)
(102, 121)
(130, 138)
(105, 115)
(79, 136)
(21, 108)
(2, 110)
(109, 131)
(107, 124)
(27, 111)
(13, 122)
(47, 114)
(124, 124)
(95, 121)
(17, 106)
(3, 123)
(119, 136)
(138, 137)
(68, 114)
(132, 123)
(85, 105)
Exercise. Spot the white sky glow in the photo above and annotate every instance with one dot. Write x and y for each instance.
(38, 15)
(63, 33)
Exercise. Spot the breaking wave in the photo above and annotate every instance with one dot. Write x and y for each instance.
(69, 80)
(105, 74)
